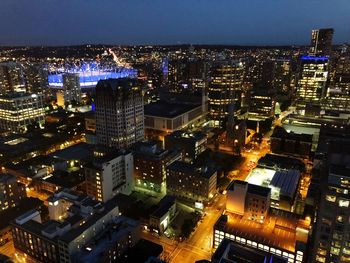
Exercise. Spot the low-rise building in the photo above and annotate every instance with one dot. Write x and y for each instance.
(248, 200)
(11, 192)
(187, 181)
(161, 218)
(231, 252)
(150, 164)
(191, 143)
(78, 228)
(168, 117)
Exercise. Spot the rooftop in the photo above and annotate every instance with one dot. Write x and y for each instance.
(281, 230)
(167, 110)
(234, 252)
(164, 205)
(184, 167)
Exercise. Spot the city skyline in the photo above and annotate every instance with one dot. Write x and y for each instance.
(184, 22)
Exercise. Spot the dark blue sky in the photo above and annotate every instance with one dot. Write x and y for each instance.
(59, 22)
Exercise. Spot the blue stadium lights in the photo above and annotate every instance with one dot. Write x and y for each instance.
(314, 58)
(90, 74)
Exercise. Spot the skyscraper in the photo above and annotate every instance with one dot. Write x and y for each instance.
(321, 41)
(312, 81)
(119, 112)
(225, 89)
(71, 87)
(331, 240)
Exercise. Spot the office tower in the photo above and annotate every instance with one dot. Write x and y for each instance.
(36, 77)
(191, 182)
(332, 239)
(262, 103)
(282, 74)
(312, 82)
(225, 89)
(150, 162)
(321, 41)
(11, 192)
(11, 77)
(338, 92)
(109, 173)
(119, 112)
(79, 229)
(71, 88)
(186, 74)
(18, 110)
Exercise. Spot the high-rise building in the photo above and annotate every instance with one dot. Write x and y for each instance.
(312, 81)
(36, 78)
(109, 173)
(119, 112)
(11, 77)
(282, 74)
(18, 110)
(225, 89)
(71, 87)
(262, 103)
(338, 92)
(332, 239)
(11, 192)
(321, 41)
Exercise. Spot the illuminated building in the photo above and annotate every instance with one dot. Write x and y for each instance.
(186, 74)
(338, 93)
(191, 143)
(71, 88)
(36, 77)
(262, 104)
(79, 228)
(248, 200)
(283, 184)
(109, 173)
(284, 142)
(225, 89)
(331, 240)
(18, 110)
(11, 192)
(161, 218)
(232, 252)
(168, 116)
(190, 182)
(150, 164)
(312, 83)
(11, 77)
(119, 112)
(321, 41)
(282, 76)
(281, 233)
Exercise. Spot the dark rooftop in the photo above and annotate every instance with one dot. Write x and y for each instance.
(207, 171)
(167, 110)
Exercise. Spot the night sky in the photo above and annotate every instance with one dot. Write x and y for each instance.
(237, 22)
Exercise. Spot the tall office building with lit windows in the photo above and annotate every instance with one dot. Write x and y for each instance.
(119, 112)
(321, 41)
(11, 77)
(18, 110)
(312, 82)
(332, 238)
(225, 89)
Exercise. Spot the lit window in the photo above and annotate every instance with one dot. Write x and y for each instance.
(343, 203)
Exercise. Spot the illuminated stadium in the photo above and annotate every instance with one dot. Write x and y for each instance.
(90, 74)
